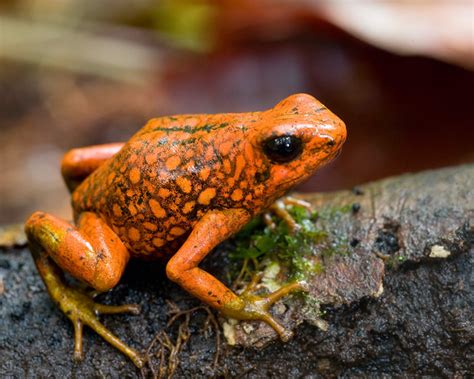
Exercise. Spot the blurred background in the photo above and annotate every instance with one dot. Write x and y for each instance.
(82, 72)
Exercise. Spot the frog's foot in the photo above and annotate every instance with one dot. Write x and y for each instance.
(82, 310)
(93, 254)
(253, 307)
(279, 209)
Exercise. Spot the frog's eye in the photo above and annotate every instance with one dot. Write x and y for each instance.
(282, 149)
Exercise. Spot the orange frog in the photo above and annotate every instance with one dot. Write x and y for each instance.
(176, 189)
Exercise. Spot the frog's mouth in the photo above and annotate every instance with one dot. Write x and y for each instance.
(331, 156)
(289, 184)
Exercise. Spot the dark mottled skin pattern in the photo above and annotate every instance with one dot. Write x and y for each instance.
(124, 200)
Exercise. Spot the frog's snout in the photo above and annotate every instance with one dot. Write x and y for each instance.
(335, 133)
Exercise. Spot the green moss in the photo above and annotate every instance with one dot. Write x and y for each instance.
(330, 213)
(394, 261)
(301, 254)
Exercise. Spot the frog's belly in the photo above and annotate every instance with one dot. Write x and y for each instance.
(149, 245)
(146, 236)
(148, 226)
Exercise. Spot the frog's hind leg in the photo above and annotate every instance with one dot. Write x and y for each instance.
(78, 164)
(91, 253)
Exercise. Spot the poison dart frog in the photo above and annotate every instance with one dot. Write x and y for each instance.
(180, 186)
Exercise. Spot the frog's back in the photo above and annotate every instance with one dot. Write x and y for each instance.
(167, 177)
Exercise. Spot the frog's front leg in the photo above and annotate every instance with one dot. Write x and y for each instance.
(280, 210)
(212, 229)
(92, 253)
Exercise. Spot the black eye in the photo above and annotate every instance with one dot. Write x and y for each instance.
(282, 149)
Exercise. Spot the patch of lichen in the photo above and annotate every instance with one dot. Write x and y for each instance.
(300, 254)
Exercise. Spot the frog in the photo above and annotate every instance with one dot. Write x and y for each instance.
(179, 187)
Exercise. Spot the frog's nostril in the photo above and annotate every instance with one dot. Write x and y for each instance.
(331, 143)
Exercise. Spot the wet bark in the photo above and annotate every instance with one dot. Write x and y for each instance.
(401, 303)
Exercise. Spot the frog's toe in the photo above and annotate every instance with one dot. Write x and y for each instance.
(112, 309)
(253, 307)
(283, 291)
(82, 310)
(284, 334)
(279, 208)
(290, 200)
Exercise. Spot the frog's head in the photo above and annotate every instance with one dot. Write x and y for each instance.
(294, 139)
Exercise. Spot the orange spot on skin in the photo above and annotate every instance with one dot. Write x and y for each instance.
(130, 193)
(164, 192)
(150, 187)
(206, 196)
(231, 182)
(156, 208)
(110, 178)
(189, 154)
(227, 167)
(134, 234)
(172, 162)
(132, 209)
(133, 158)
(117, 211)
(243, 184)
(209, 153)
(184, 184)
(239, 166)
(248, 152)
(172, 221)
(149, 249)
(237, 195)
(158, 242)
(204, 173)
(189, 165)
(151, 158)
(120, 196)
(224, 148)
(134, 175)
(258, 190)
(177, 231)
(189, 206)
(150, 226)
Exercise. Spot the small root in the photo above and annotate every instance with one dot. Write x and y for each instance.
(167, 351)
